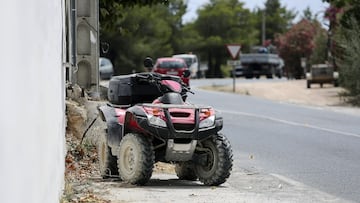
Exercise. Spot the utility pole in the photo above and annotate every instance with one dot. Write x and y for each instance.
(263, 27)
(83, 43)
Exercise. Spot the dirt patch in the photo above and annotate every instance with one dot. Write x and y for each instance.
(291, 91)
(82, 175)
(161, 167)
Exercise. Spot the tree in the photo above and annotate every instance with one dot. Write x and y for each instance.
(222, 22)
(141, 31)
(112, 9)
(349, 9)
(344, 17)
(349, 42)
(298, 42)
(277, 19)
(308, 15)
(177, 9)
(320, 51)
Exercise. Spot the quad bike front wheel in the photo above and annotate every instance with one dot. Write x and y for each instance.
(107, 162)
(135, 159)
(218, 161)
(185, 171)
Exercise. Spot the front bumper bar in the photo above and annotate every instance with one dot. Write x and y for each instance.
(170, 132)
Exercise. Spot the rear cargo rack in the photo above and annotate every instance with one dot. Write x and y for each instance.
(119, 105)
(182, 106)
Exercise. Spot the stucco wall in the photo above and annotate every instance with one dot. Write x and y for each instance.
(32, 120)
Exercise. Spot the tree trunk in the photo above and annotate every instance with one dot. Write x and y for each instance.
(218, 73)
(210, 72)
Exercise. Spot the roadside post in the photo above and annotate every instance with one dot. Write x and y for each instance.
(234, 50)
(303, 64)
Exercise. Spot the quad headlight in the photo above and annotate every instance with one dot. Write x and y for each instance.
(208, 122)
(157, 121)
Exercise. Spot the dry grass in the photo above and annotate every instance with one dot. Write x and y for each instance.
(80, 165)
(82, 170)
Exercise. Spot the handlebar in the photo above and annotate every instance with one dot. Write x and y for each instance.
(156, 78)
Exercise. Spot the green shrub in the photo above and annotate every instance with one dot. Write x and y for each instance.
(225, 70)
(348, 59)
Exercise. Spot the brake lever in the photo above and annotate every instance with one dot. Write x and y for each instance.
(186, 88)
(190, 91)
(142, 76)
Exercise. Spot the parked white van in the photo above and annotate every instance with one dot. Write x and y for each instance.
(192, 63)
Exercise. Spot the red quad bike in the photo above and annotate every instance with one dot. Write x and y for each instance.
(148, 121)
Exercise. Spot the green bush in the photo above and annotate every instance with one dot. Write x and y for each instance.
(225, 70)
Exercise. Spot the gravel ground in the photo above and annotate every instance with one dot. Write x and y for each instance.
(291, 91)
(295, 92)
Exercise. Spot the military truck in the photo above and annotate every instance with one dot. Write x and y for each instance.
(261, 62)
(322, 73)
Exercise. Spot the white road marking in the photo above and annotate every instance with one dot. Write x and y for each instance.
(292, 123)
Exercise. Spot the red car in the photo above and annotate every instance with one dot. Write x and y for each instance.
(172, 66)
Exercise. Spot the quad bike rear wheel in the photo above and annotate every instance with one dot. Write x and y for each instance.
(218, 163)
(185, 171)
(107, 162)
(135, 159)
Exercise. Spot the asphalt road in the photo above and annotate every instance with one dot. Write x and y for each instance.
(317, 147)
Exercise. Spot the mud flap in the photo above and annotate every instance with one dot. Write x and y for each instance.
(114, 129)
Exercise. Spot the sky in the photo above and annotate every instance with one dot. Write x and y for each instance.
(297, 5)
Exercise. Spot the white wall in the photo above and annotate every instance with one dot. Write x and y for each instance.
(32, 118)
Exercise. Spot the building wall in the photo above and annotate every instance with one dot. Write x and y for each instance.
(32, 115)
